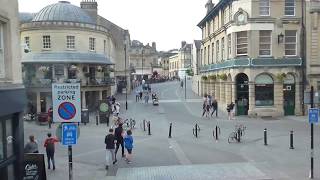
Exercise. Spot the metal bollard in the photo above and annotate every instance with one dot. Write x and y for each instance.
(217, 129)
(149, 128)
(170, 129)
(291, 140)
(265, 136)
(239, 134)
(97, 123)
(196, 130)
(144, 125)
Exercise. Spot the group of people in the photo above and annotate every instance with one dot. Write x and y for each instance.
(210, 104)
(49, 145)
(113, 140)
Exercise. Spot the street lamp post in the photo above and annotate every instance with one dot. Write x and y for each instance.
(125, 73)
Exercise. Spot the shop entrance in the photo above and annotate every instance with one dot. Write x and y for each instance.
(242, 98)
(289, 95)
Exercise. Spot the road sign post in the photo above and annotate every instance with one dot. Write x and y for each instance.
(69, 138)
(313, 118)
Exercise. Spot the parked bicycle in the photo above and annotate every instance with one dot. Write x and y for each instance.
(129, 123)
(237, 134)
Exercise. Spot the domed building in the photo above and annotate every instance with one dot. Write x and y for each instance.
(65, 43)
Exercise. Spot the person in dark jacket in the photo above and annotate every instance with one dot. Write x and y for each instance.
(110, 145)
(214, 107)
(119, 137)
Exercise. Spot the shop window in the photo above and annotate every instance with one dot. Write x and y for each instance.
(264, 90)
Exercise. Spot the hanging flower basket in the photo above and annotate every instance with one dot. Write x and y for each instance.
(212, 77)
(204, 77)
(222, 76)
(281, 76)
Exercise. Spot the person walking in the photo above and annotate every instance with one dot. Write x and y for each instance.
(230, 108)
(31, 146)
(50, 116)
(137, 95)
(50, 148)
(119, 138)
(109, 140)
(128, 144)
(205, 106)
(214, 107)
(181, 84)
(146, 98)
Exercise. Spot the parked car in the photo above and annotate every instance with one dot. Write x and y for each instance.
(42, 118)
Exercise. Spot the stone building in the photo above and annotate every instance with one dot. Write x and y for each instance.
(312, 25)
(251, 55)
(164, 60)
(64, 43)
(143, 59)
(180, 62)
(12, 94)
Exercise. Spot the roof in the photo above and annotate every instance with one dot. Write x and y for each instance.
(214, 11)
(66, 57)
(63, 11)
(197, 43)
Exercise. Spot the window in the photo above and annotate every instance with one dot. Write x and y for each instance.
(290, 45)
(46, 43)
(264, 7)
(92, 44)
(242, 43)
(212, 53)
(222, 49)
(222, 17)
(225, 15)
(201, 57)
(59, 69)
(289, 7)
(205, 55)
(209, 54)
(264, 90)
(217, 51)
(229, 45)
(265, 43)
(208, 27)
(104, 46)
(230, 12)
(27, 41)
(70, 42)
(1, 52)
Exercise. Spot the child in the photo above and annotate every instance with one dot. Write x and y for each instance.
(128, 144)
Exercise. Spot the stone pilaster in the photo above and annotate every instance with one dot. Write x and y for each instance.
(222, 92)
(233, 91)
(252, 99)
(298, 102)
(278, 97)
(100, 95)
(228, 92)
(217, 92)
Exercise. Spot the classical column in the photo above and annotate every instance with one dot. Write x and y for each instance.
(252, 99)
(38, 99)
(278, 97)
(298, 106)
(83, 98)
(233, 91)
(222, 92)
(100, 95)
(217, 92)
(228, 92)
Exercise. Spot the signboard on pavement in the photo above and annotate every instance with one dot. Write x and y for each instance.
(313, 115)
(34, 167)
(66, 102)
(69, 133)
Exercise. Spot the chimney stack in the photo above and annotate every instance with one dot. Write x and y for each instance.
(154, 46)
(91, 7)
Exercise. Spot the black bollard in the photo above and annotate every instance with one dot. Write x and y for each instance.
(239, 135)
(149, 128)
(170, 129)
(291, 140)
(97, 123)
(144, 125)
(217, 138)
(196, 129)
(265, 136)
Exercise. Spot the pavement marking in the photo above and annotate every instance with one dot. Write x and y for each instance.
(183, 159)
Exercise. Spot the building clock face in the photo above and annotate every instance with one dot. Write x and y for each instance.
(241, 18)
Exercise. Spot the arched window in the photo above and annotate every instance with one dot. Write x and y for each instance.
(264, 90)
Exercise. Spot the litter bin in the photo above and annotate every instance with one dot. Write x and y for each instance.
(85, 116)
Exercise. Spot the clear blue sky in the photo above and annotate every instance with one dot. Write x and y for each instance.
(166, 22)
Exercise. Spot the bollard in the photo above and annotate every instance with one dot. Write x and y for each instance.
(97, 120)
(149, 128)
(265, 136)
(291, 140)
(239, 134)
(170, 129)
(196, 130)
(217, 138)
(144, 125)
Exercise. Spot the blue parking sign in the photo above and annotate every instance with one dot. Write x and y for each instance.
(313, 115)
(69, 133)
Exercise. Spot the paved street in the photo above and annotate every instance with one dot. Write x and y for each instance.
(185, 157)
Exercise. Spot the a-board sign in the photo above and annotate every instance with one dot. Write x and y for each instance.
(34, 167)
(66, 102)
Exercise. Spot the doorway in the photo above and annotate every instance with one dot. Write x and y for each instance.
(242, 98)
(289, 92)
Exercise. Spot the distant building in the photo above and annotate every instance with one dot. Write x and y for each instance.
(251, 55)
(64, 43)
(12, 94)
(180, 62)
(143, 59)
(164, 60)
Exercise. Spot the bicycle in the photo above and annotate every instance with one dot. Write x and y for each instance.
(129, 123)
(236, 135)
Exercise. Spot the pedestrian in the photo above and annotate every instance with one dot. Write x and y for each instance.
(230, 108)
(49, 145)
(137, 95)
(181, 84)
(50, 116)
(205, 106)
(119, 137)
(214, 107)
(128, 144)
(31, 146)
(140, 94)
(146, 98)
(110, 141)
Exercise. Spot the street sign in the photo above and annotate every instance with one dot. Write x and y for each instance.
(66, 102)
(69, 133)
(313, 115)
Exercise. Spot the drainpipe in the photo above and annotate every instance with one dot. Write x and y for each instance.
(303, 53)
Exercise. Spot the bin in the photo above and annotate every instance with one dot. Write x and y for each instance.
(84, 116)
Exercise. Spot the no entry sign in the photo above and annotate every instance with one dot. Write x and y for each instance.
(66, 102)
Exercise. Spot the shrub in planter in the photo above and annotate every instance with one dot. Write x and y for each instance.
(212, 77)
(204, 78)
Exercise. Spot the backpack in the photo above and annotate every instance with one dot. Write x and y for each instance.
(50, 145)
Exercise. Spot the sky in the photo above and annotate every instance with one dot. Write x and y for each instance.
(166, 22)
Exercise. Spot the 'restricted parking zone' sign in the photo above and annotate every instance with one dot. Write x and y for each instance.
(66, 102)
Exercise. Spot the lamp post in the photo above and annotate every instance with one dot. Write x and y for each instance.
(125, 73)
